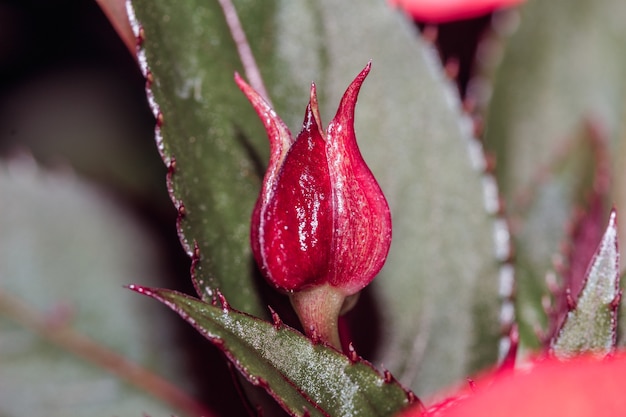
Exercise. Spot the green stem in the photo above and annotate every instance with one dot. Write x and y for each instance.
(318, 309)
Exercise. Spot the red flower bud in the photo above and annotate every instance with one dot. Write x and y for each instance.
(321, 219)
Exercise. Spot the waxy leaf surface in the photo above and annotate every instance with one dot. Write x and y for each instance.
(307, 379)
(210, 138)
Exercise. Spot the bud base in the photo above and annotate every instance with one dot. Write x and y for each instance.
(318, 309)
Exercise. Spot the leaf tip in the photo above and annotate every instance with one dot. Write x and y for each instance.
(611, 230)
(591, 322)
(140, 289)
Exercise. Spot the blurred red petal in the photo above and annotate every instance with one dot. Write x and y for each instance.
(437, 11)
(581, 387)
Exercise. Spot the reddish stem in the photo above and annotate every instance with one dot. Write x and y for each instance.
(243, 49)
(318, 309)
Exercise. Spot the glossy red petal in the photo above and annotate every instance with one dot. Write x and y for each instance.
(296, 227)
(361, 217)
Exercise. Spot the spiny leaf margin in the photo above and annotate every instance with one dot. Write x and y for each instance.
(304, 377)
(205, 133)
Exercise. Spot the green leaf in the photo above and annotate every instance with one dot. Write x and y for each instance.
(563, 69)
(591, 326)
(66, 250)
(209, 138)
(542, 212)
(438, 294)
(305, 378)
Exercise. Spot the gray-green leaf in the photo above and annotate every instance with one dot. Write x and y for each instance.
(592, 325)
(305, 378)
(209, 137)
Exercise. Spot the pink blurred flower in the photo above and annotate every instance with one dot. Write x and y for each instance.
(436, 11)
(581, 387)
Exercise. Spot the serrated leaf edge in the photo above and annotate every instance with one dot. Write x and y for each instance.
(192, 248)
(385, 377)
(484, 165)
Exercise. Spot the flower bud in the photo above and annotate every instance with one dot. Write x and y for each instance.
(321, 224)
